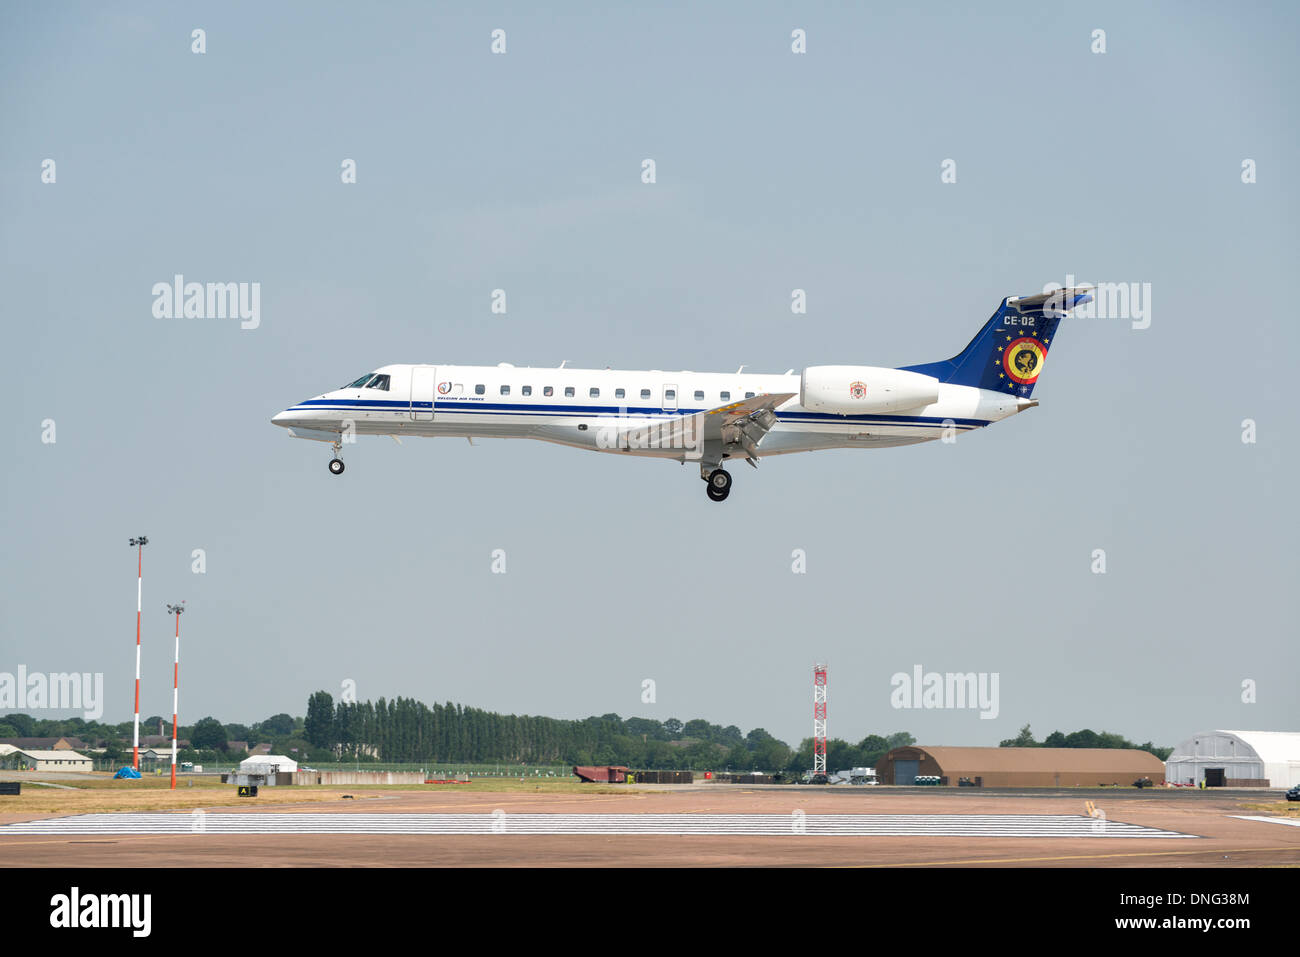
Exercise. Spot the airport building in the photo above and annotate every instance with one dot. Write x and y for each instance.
(1020, 767)
(268, 764)
(1237, 759)
(34, 759)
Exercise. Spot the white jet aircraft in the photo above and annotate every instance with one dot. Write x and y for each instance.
(704, 417)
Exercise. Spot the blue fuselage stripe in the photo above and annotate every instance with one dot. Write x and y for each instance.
(500, 408)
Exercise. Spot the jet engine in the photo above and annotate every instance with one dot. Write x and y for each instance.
(857, 390)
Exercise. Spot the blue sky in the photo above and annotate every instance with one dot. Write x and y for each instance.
(775, 171)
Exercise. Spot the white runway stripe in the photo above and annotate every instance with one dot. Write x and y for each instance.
(1294, 822)
(826, 825)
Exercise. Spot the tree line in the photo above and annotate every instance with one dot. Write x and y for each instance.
(1087, 738)
(406, 730)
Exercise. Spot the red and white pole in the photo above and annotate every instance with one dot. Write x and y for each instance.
(176, 681)
(819, 720)
(139, 543)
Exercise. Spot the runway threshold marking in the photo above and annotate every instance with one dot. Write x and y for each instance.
(826, 825)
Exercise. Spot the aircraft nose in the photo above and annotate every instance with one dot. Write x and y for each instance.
(281, 418)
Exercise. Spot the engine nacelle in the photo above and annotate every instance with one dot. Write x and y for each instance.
(856, 390)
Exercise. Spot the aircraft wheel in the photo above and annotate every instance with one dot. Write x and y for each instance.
(717, 495)
(720, 479)
(336, 466)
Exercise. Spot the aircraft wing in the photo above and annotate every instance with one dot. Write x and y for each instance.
(742, 424)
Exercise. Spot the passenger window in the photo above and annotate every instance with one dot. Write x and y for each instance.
(645, 393)
(568, 391)
(505, 390)
(699, 395)
(619, 393)
(478, 389)
(528, 390)
(726, 396)
(670, 393)
(549, 390)
(594, 393)
(749, 395)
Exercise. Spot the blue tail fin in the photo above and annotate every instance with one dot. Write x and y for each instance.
(1008, 354)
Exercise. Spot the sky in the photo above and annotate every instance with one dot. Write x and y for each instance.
(1160, 447)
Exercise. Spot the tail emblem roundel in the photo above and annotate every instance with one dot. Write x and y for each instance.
(1023, 359)
(858, 390)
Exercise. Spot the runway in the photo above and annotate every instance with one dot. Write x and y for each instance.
(498, 823)
(714, 827)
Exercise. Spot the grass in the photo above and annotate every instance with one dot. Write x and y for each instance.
(102, 794)
(1287, 809)
(486, 785)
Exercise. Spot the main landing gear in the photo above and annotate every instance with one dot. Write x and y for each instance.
(719, 484)
(336, 463)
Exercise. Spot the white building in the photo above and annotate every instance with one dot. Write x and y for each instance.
(1221, 758)
(267, 764)
(47, 760)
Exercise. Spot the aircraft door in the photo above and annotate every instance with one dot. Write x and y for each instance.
(422, 384)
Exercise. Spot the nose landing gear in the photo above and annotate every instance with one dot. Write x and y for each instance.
(336, 463)
(719, 484)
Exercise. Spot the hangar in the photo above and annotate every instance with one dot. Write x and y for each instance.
(1020, 767)
(1237, 759)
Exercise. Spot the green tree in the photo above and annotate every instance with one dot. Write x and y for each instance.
(1087, 738)
(698, 729)
(24, 724)
(277, 726)
(739, 758)
(1025, 739)
(208, 734)
(900, 739)
(653, 730)
(319, 726)
(872, 748)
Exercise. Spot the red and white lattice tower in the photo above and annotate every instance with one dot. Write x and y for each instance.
(819, 719)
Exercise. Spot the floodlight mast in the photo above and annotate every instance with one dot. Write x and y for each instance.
(176, 680)
(138, 544)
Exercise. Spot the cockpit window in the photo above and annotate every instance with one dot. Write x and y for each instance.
(379, 382)
(360, 383)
